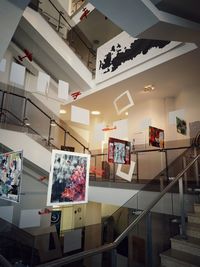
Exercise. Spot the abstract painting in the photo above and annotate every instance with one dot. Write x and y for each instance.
(68, 179)
(10, 175)
(156, 137)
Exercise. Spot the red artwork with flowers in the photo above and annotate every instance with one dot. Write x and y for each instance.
(68, 180)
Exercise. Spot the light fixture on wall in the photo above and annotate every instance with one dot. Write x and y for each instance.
(126, 113)
(95, 112)
(63, 111)
(148, 88)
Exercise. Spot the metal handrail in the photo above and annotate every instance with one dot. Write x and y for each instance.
(43, 112)
(147, 150)
(119, 239)
(60, 13)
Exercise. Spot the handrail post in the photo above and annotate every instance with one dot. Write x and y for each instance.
(24, 113)
(65, 135)
(182, 211)
(166, 165)
(137, 166)
(149, 254)
(196, 168)
(2, 103)
(49, 136)
(185, 174)
(114, 258)
(114, 176)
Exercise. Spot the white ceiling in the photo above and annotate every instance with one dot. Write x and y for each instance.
(169, 78)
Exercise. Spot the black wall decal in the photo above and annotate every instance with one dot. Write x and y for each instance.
(110, 63)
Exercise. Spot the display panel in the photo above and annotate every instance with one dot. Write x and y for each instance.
(10, 175)
(119, 151)
(68, 179)
(156, 137)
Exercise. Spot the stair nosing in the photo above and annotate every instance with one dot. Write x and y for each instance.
(178, 260)
(188, 241)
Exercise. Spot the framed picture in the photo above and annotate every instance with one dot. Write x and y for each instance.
(181, 126)
(10, 175)
(156, 137)
(119, 151)
(68, 179)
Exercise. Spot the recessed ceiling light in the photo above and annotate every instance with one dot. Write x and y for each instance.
(62, 111)
(95, 112)
(149, 88)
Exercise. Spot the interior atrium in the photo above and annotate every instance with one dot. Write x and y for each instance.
(99, 133)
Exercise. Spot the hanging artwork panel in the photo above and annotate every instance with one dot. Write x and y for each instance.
(68, 179)
(119, 151)
(156, 137)
(10, 175)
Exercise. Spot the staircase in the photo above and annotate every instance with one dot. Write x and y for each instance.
(185, 252)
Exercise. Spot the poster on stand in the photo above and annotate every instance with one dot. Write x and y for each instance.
(10, 175)
(68, 179)
(156, 137)
(119, 151)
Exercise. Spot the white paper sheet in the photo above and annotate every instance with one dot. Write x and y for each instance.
(180, 113)
(63, 90)
(43, 83)
(80, 115)
(17, 74)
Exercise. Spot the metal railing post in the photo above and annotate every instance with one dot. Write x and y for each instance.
(137, 166)
(24, 113)
(166, 165)
(65, 135)
(114, 257)
(49, 136)
(196, 167)
(149, 254)
(182, 210)
(2, 103)
(185, 174)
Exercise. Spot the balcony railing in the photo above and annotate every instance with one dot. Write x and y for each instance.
(60, 22)
(16, 109)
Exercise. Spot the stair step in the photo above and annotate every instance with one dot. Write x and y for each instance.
(194, 218)
(190, 245)
(196, 207)
(193, 230)
(174, 258)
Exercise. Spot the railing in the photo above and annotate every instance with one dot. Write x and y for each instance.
(148, 216)
(161, 160)
(61, 23)
(25, 113)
